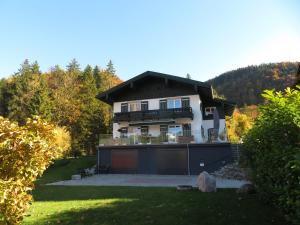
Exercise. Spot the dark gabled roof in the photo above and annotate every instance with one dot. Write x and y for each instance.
(202, 88)
(228, 106)
(103, 96)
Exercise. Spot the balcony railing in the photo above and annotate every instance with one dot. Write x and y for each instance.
(186, 112)
(136, 139)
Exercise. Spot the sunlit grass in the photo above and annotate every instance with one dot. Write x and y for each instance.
(67, 205)
(45, 212)
(142, 206)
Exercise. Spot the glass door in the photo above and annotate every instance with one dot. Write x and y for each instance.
(173, 132)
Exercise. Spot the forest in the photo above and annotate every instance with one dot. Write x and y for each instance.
(64, 97)
(245, 85)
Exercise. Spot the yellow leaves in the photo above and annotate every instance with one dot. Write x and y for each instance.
(25, 152)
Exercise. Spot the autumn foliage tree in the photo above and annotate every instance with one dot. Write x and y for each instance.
(25, 152)
(239, 123)
(66, 97)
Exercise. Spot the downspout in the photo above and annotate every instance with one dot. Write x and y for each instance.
(98, 160)
(188, 159)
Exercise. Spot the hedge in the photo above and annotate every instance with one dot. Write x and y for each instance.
(272, 150)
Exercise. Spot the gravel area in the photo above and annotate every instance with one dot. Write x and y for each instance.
(145, 181)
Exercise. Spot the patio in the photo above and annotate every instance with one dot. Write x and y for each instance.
(141, 180)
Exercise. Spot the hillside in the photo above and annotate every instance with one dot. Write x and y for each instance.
(245, 85)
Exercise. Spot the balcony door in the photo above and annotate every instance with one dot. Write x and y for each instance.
(134, 106)
(173, 132)
(174, 103)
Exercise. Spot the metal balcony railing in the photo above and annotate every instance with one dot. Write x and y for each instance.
(186, 112)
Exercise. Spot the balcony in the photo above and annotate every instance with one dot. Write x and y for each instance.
(154, 115)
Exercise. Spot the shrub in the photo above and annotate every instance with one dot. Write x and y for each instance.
(272, 149)
(25, 152)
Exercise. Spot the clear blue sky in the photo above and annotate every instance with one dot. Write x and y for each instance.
(203, 38)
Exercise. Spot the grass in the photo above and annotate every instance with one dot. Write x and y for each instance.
(141, 206)
(63, 169)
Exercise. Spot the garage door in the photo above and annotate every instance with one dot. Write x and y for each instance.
(124, 161)
(172, 161)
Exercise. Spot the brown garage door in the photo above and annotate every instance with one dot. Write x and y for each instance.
(124, 161)
(172, 161)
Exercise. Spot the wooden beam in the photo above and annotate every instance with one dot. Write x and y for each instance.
(131, 85)
(166, 81)
(196, 88)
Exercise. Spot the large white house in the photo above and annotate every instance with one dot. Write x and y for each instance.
(157, 108)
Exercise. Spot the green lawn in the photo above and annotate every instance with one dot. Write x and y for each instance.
(141, 206)
(64, 168)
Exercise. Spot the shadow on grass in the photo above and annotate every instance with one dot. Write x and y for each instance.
(149, 206)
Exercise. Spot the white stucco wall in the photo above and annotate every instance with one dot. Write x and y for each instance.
(154, 130)
(210, 124)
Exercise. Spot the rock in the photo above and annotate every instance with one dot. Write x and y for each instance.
(231, 171)
(246, 189)
(206, 182)
(76, 177)
(184, 187)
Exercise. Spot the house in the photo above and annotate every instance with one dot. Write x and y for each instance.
(159, 108)
(164, 124)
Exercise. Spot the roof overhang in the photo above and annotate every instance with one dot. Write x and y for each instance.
(201, 88)
(228, 106)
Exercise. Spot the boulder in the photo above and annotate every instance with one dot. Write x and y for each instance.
(206, 182)
(246, 189)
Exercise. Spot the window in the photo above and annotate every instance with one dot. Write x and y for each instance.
(144, 130)
(175, 130)
(163, 132)
(144, 106)
(209, 110)
(186, 130)
(163, 104)
(174, 103)
(124, 107)
(124, 132)
(134, 106)
(185, 102)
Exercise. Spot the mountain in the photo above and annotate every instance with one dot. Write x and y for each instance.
(245, 85)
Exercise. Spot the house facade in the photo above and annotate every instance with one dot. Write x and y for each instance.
(156, 108)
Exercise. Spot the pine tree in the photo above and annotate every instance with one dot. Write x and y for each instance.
(21, 93)
(97, 76)
(73, 66)
(40, 103)
(110, 68)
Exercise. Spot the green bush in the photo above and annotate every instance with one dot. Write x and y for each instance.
(272, 149)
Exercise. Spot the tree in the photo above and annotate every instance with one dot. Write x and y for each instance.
(21, 93)
(40, 103)
(29, 94)
(83, 130)
(188, 76)
(272, 150)
(65, 97)
(238, 125)
(73, 67)
(297, 81)
(25, 152)
(97, 76)
(110, 68)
